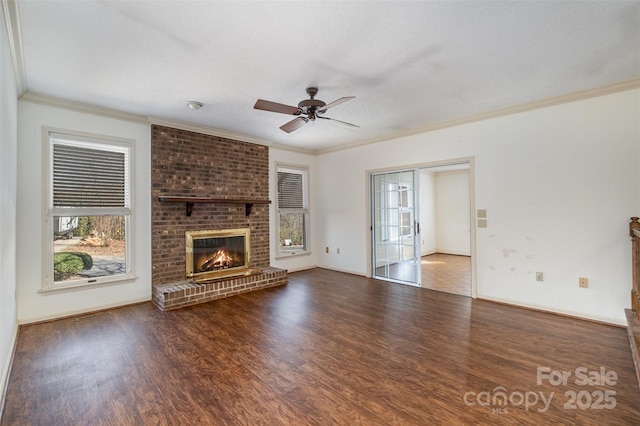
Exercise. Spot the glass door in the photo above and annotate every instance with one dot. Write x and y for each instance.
(395, 227)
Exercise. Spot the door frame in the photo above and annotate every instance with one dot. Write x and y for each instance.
(472, 207)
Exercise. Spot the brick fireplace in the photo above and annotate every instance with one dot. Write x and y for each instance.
(192, 165)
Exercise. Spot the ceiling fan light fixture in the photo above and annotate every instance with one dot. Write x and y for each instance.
(195, 105)
(307, 110)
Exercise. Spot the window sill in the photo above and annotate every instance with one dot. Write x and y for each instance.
(88, 284)
(289, 255)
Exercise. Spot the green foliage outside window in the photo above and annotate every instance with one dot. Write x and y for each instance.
(67, 264)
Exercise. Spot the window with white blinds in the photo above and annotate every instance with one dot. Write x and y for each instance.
(89, 211)
(293, 212)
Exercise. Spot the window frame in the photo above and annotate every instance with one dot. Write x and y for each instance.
(305, 210)
(91, 141)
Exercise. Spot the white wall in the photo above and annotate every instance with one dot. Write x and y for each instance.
(33, 305)
(452, 213)
(340, 209)
(559, 185)
(297, 262)
(428, 222)
(8, 199)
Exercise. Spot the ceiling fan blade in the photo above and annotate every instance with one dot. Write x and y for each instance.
(334, 103)
(339, 121)
(294, 124)
(276, 107)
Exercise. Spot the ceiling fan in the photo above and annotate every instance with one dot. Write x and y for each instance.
(307, 110)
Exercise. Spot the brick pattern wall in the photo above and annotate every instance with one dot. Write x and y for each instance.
(188, 164)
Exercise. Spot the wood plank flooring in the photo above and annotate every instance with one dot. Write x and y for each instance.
(327, 348)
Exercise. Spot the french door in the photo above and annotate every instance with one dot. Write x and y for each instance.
(395, 227)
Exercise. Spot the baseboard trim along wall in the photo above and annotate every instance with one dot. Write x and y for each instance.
(4, 380)
(54, 317)
(545, 309)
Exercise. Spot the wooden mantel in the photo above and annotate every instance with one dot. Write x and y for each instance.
(190, 201)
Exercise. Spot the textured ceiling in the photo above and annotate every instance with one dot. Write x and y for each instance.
(410, 65)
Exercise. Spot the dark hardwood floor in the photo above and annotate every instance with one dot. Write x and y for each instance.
(328, 348)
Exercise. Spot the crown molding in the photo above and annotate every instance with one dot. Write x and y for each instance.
(294, 149)
(37, 98)
(516, 109)
(136, 118)
(208, 131)
(12, 22)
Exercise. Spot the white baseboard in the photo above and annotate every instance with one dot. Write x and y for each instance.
(4, 380)
(346, 271)
(73, 313)
(304, 268)
(454, 252)
(564, 312)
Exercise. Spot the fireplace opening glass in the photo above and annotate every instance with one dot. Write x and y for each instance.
(211, 254)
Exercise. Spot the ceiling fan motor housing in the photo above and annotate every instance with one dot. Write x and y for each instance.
(310, 106)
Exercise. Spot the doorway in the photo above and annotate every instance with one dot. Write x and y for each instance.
(445, 216)
(422, 226)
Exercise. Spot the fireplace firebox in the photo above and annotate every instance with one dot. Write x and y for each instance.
(217, 254)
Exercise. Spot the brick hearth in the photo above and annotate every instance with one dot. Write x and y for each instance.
(186, 293)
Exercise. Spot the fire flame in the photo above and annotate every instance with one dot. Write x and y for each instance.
(219, 260)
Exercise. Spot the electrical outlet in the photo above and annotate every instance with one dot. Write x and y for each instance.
(482, 214)
(539, 276)
(337, 251)
(583, 282)
(482, 223)
(326, 249)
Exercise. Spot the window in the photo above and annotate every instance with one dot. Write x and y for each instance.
(89, 211)
(293, 210)
(406, 225)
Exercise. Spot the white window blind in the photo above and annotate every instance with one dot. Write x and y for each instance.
(89, 177)
(290, 190)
